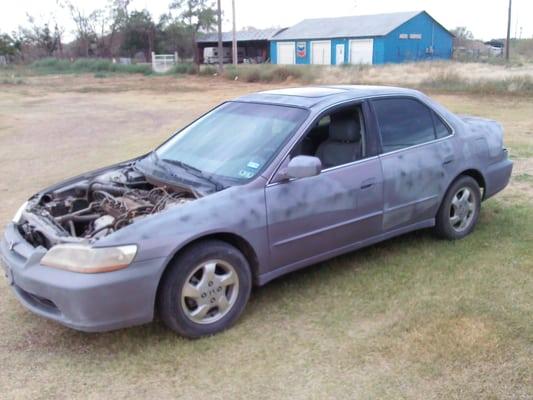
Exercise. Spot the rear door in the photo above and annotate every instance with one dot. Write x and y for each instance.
(416, 163)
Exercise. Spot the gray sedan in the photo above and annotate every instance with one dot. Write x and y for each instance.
(258, 187)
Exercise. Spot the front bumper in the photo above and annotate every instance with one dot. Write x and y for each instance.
(85, 302)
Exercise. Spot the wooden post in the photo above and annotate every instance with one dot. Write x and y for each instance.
(508, 41)
(234, 41)
(220, 50)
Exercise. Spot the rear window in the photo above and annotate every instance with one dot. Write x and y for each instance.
(403, 123)
(441, 129)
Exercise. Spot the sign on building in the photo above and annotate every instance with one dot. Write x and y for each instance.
(301, 49)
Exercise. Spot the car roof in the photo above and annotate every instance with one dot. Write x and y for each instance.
(323, 96)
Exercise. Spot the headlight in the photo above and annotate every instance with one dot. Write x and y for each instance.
(18, 214)
(89, 260)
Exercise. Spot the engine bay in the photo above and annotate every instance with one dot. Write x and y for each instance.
(93, 208)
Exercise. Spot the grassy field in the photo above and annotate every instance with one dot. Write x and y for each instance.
(445, 76)
(414, 317)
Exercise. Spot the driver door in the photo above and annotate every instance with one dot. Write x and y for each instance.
(327, 213)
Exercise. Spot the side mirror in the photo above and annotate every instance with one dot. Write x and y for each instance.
(302, 167)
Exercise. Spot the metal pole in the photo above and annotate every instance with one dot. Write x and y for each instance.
(220, 52)
(234, 43)
(508, 41)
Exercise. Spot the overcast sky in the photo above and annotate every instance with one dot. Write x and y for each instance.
(486, 19)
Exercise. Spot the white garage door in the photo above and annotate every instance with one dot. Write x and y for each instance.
(286, 53)
(321, 52)
(361, 51)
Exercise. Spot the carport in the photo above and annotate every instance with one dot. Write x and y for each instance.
(253, 43)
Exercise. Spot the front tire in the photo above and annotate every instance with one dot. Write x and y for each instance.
(459, 211)
(205, 289)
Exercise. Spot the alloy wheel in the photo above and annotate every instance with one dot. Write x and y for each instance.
(210, 291)
(462, 210)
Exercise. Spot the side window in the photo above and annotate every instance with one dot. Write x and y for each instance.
(403, 122)
(337, 138)
(441, 129)
(324, 121)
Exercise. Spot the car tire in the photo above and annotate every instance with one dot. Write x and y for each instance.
(196, 298)
(459, 211)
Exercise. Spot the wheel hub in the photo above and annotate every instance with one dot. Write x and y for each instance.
(210, 291)
(462, 209)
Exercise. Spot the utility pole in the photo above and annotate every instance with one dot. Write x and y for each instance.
(508, 41)
(220, 50)
(234, 43)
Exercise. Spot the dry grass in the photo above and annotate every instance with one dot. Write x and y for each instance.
(416, 73)
(453, 77)
(413, 317)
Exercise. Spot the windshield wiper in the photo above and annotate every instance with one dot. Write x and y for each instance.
(195, 171)
(182, 165)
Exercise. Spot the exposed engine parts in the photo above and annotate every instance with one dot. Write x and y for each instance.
(96, 207)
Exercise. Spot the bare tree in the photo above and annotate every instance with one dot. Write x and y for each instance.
(461, 32)
(85, 25)
(42, 36)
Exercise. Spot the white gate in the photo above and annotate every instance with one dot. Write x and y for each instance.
(163, 62)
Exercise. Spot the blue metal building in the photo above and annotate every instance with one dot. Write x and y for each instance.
(364, 39)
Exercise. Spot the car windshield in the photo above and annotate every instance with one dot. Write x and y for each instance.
(235, 141)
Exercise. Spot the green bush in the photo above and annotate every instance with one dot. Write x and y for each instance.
(183, 68)
(251, 75)
(231, 72)
(269, 73)
(207, 70)
(51, 64)
(84, 65)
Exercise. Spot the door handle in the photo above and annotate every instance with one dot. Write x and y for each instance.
(366, 184)
(448, 161)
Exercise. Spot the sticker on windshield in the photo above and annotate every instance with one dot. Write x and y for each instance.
(245, 174)
(253, 165)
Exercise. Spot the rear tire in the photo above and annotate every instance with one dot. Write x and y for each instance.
(205, 289)
(459, 211)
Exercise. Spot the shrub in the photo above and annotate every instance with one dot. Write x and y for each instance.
(251, 75)
(12, 81)
(183, 68)
(445, 80)
(82, 65)
(207, 70)
(269, 73)
(51, 64)
(231, 72)
(145, 69)
(449, 81)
